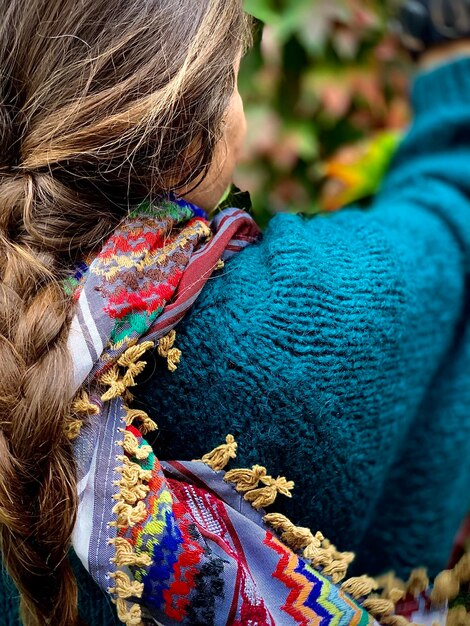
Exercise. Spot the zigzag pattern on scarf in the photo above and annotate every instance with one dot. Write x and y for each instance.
(313, 599)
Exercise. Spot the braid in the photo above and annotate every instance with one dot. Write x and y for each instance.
(37, 486)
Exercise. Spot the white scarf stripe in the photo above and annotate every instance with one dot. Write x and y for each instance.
(90, 322)
(81, 358)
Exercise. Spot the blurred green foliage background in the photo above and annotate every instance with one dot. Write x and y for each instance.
(325, 91)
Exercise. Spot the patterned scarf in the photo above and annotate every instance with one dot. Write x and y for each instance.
(181, 542)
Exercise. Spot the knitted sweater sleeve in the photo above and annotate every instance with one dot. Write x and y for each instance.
(317, 346)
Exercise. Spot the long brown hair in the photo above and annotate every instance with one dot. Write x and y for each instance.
(102, 103)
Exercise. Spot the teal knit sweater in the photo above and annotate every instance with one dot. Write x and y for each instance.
(337, 352)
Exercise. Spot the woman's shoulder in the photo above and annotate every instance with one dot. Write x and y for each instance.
(295, 299)
(307, 268)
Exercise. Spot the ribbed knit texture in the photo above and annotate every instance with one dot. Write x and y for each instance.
(337, 351)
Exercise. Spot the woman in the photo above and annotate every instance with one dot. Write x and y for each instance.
(335, 349)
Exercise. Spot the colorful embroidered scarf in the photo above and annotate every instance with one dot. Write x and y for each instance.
(175, 542)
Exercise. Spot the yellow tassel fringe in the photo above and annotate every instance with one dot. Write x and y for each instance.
(130, 444)
(246, 479)
(395, 620)
(125, 555)
(220, 456)
(146, 425)
(379, 607)
(132, 472)
(128, 516)
(73, 429)
(315, 548)
(392, 587)
(458, 616)
(297, 537)
(132, 495)
(167, 350)
(360, 586)
(265, 496)
(417, 582)
(132, 355)
(118, 385)
(395, 595)
(462, 569)
(81, 406)
(130, 508)
(131, 615)
(124, 587)
(338, 569)
(446, 587)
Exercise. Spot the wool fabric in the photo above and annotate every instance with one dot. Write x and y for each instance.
(337, 352)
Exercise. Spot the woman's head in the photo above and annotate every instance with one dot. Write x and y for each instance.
(103, 103)
(116, 99)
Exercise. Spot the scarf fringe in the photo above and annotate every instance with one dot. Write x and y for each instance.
(265, 496)
(325, 557)
(131, 446)
(82, 407)
(146, 425)
(218, 458)
(395, 620)
(131, 615)
(316, 549)
(125, 555)
(167, 350)
(130, 508)
(360, 586)
(245, 479)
